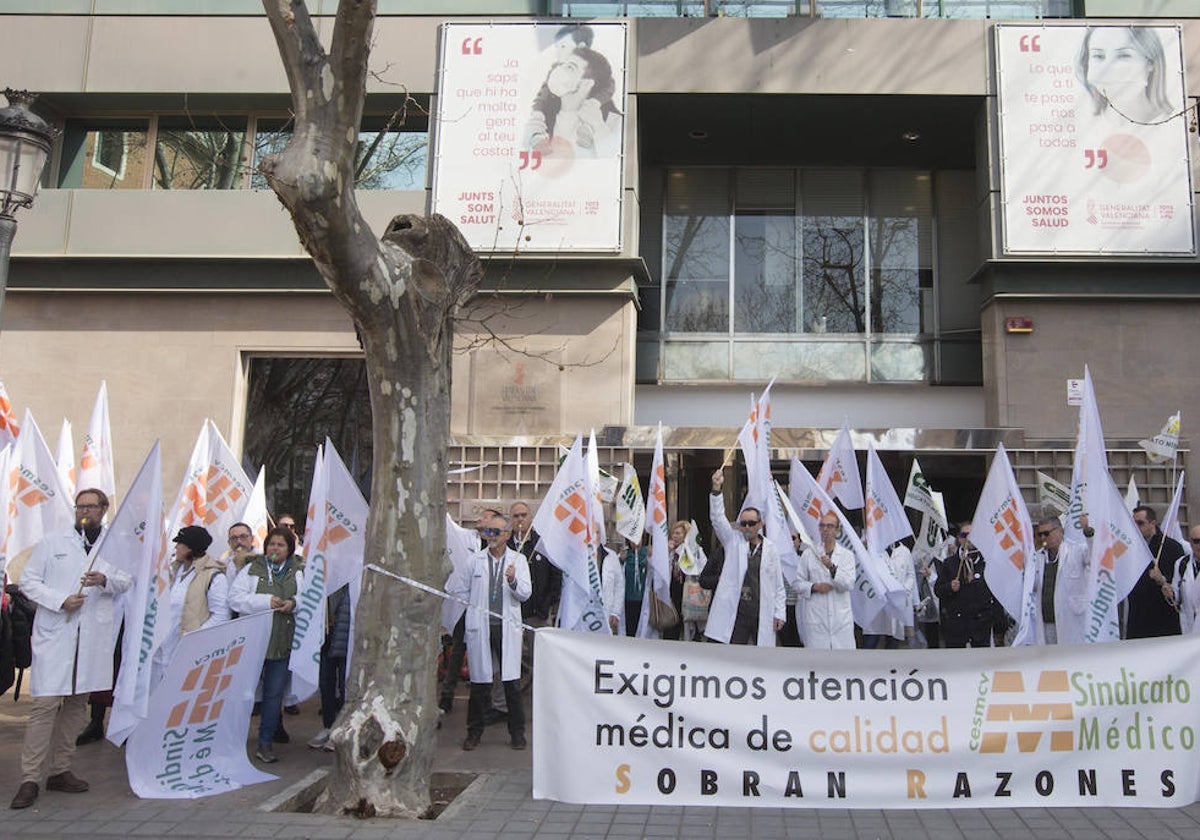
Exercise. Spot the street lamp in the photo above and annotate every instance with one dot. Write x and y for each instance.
(25, 140)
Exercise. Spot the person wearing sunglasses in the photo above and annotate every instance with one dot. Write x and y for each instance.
(749, 602)
(1150, 609)
(969, 610)
(824, 577)
(1060, 585)
(497, 585)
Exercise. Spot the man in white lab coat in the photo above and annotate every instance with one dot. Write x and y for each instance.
(823, 579)
(73, 635)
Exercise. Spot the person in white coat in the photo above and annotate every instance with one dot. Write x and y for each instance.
(199, 594)
(887, 631)
(72, 642)
(1060, 585)
(824, 577)
(749, 602)
(497, 585)
(612, 590)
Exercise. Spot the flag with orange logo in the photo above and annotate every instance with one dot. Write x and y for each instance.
(8, 420)
(750, 440)
(873, 578)
(64, 458)
(658, 564)
(1002, 532)
(884, 520)
(1118, 553)
(335, 532)
(136, 544)
(839, 476)
(256, 509)
(215, 490)
(38, 504)
(193, 741)
(566, 521)
(96, 459)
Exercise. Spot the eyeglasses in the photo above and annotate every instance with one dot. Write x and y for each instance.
(490, 532)
(828, 526)
(1044, 533)
(1195, 540)
(964, 535)
(291, 526)
(749, 523)
(1141, 522)
(88, 507)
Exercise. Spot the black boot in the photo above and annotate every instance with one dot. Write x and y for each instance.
(95, 729)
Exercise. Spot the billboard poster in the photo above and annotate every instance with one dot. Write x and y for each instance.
(1093, 141)
(625, 721)
(529, 136)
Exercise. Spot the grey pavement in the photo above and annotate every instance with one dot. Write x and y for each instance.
(499, 803)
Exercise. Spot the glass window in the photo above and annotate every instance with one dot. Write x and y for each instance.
(385, 159)
(901, 234)
(833, 243)
(104, 155)
(696, 260)
(765, 293)
(199, 154)
(292, 405)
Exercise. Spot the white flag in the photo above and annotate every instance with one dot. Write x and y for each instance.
(96, 460)
(1089, 443)
(658, 565)
(568, 534)
(64, 458)
(310, 601)
(884, 519)
(5, 454)
(692, 558)
(215, 489)
(839, 476)
(873, 579)
(1163, 446)
(1002, 532)
(749, 442)
(135, 542)
(255, 514)
(8, 420)
(775, 520)
(193, 742)
(929, 539)
(1131, 495)
(38, 504)
(1119, 554)
(630, 507)
(919, 496)
(1051, 493)
(1170, 523)
(794, 519)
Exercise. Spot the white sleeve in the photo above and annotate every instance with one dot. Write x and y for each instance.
(218, 600)
(242, 597)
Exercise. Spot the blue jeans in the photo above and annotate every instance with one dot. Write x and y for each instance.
(274, 677)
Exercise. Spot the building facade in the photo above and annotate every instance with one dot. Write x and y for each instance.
(811, 192)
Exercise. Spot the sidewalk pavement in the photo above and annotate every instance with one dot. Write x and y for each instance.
(499, 804)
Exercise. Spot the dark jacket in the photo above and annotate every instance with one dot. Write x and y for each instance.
(1148, 613)
(337, 618)
(545, 577)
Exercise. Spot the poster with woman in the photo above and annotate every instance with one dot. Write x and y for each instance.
(529, 136)
(1093, 141)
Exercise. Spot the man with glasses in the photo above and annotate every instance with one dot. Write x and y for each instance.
(73, 632)
(1150, 609)
(969, 610)
(241, 547)
(749, 602)
(498, 585)
(824, 577)
(1060, 584)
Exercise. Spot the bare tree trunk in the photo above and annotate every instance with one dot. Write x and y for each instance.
(402, 292)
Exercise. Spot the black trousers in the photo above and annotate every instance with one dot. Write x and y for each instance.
(481, 694)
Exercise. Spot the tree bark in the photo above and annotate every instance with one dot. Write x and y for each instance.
(402, 292)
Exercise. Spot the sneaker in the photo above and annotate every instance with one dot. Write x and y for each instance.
(518, 742)
(291, 710)
(328, 746)
(93, 733)
(266, 754)
(319, 740)
(470, 744)
(281, 736)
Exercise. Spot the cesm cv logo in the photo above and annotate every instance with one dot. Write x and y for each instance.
(1015, 712)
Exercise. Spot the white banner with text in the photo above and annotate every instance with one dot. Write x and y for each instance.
(633, 721)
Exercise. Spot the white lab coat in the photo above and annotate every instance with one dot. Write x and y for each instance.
(1070, 593)
(612, 588)
(828, 621)
(52, 573)
(772, 600)
(888, 623)
(478, 624)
